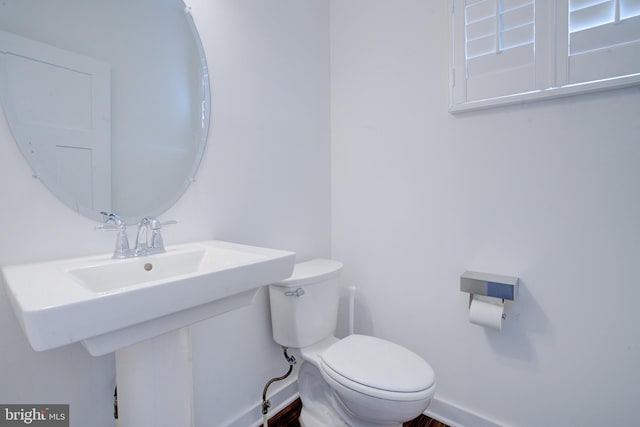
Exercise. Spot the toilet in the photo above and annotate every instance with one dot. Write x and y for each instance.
(356, 381)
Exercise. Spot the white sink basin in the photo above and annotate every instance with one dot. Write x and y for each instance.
(109, 276)
(110, 304)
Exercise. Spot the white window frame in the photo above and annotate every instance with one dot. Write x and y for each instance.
(553, 72)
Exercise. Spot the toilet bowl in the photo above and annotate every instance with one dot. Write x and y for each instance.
(356, 381)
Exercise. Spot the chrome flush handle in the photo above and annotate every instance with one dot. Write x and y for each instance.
(297, 293)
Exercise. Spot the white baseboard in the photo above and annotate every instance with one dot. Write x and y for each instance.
(455, 416)
(279, 398)
(440, 410)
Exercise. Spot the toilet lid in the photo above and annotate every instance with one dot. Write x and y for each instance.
(379, 364)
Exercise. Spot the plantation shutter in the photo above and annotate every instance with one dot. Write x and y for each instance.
(499, 48)
(604, 39)
(509, 51)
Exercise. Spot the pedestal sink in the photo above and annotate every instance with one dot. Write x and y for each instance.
(139, 308)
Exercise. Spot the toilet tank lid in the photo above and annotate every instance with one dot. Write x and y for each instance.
(313, 271)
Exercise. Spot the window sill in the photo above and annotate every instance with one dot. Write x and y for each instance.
(549, 93)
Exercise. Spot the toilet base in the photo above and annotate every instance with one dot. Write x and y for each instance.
(316, 397)
(309, 420)
(320, 405)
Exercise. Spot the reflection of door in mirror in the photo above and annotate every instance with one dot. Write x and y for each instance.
(60, 109)
(152, 109)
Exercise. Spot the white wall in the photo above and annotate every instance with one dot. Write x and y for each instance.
(264, 180)
(270, 181)
(546, 191)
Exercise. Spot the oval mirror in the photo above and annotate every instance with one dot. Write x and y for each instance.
(108, 100)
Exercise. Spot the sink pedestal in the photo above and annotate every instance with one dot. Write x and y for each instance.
(155, 383)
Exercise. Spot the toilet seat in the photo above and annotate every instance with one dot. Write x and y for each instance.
(378, 368)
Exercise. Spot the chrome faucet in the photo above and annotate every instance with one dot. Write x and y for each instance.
(113, 222)
(148, 238)
(141, 248)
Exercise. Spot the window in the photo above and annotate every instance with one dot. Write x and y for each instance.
(508, 51)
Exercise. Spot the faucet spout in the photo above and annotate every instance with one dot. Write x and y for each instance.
(149, 239)
(142, 237)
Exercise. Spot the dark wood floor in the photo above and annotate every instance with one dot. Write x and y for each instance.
(424, 421)
(288, 417)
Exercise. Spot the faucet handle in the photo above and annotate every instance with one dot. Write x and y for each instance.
(110, 227)
(113, 222)
(157, 244)
(155, 224)
(113, 219)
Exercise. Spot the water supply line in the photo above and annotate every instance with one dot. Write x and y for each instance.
(265, 403)
(352, 309)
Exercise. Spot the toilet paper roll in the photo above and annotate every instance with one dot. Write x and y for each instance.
(486, 311)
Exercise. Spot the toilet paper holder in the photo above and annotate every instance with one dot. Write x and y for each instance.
(490, 285)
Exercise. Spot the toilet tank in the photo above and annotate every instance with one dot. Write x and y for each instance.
(304, 307)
